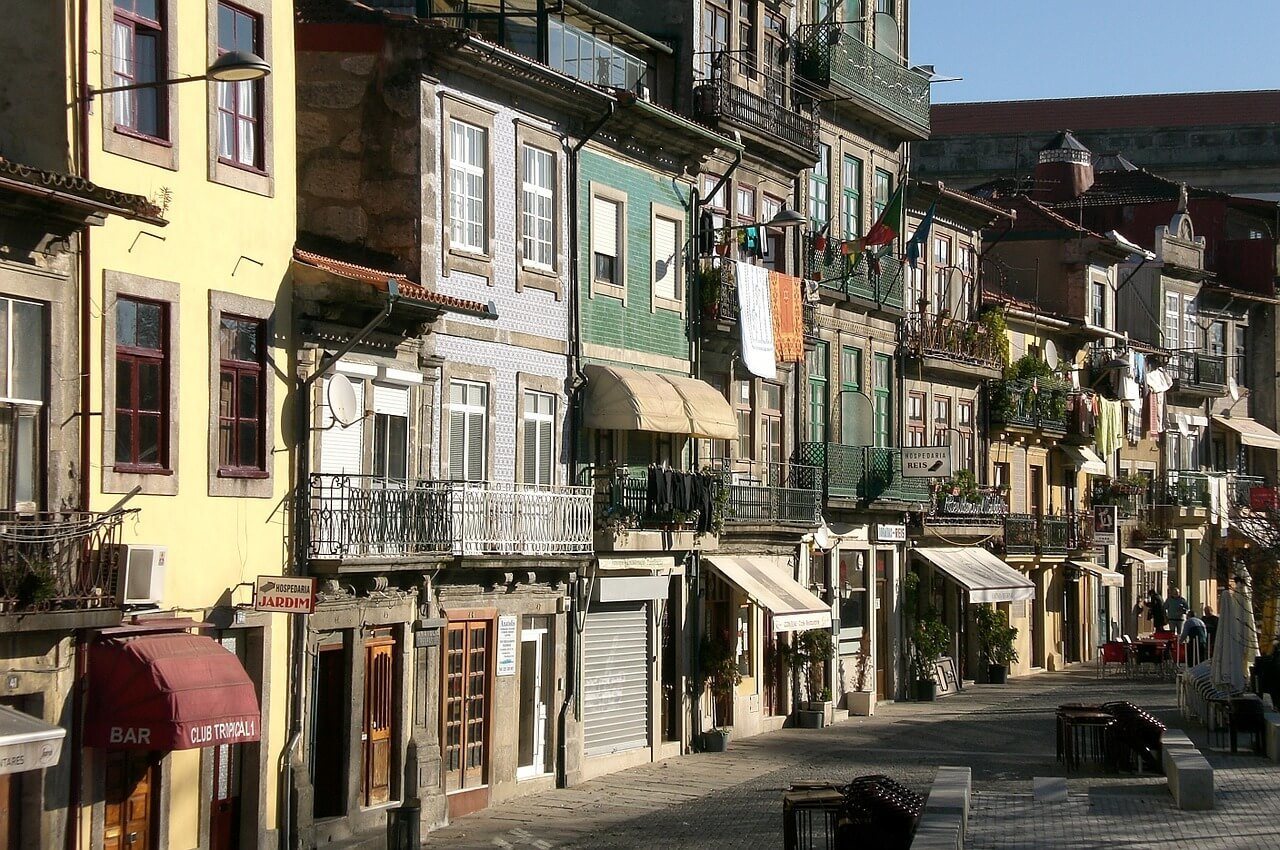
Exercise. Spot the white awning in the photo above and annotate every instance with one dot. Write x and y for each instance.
(1150, 560)
(1106, 575)
(767, 580)
(983, 575)
(1085, 459)
(621, 399)
(26, 742)
(1251, 431)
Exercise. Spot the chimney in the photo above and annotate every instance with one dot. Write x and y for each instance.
(1064, 170)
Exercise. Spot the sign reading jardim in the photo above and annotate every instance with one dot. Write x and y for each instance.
(926, 462)
(286, 594)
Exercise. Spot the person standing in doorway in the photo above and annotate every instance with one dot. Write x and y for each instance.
(1176, 610)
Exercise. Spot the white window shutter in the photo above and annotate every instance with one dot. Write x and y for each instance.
(529, 472)
(604, 227)
(665, 258)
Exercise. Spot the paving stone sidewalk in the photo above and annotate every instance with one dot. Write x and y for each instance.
(1006, 734)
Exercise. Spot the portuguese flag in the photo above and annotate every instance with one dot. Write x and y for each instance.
(886, 228)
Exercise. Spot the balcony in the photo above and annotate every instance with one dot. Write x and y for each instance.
(984, 506)
(1025, 534)
(772, 493)
(944, 344)
(1034, 405)
(718, 101)
(360, 518)
(1130, 494)
(887, 93)
(866, 473)
(1186, 488)
(59, 561)
(1201, 375)
(882, 288)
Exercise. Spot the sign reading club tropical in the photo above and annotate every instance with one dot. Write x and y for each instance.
(285, 594)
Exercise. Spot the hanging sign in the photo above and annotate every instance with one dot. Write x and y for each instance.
(890, 533)
(926, 462)
(286, 594)
(506, 646)
(1106, 519)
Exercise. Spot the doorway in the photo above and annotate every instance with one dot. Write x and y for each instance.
(225, 805)
(884, 659)
(328, 732)
(130, 804)
(534, 698)
(1071, 620)
(379, 717)
(465, 714)
(10, 811)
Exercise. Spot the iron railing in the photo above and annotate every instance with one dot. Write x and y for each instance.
(772, 492)
(830, 268)
(830, 55)
(1187, 488)
(957, 340)
(868, 473)
(1198, 372)
(1132, 497)
(362, 516)
(1039, 404)
(985, 507)
(1242, 484)
(1054, 534)
(59, 560)
(717, 98)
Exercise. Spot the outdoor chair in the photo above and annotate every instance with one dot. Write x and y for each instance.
(1113, 655)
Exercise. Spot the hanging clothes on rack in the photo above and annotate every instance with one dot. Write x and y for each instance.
(1110, 431)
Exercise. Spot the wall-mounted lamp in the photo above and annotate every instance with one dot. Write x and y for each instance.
(234, 66)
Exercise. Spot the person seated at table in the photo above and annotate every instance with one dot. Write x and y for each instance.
(1194, 631)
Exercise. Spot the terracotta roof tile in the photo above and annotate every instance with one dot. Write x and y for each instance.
(92, 193)
(377, 278)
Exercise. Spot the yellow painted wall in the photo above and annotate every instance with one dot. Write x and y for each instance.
(218, 238)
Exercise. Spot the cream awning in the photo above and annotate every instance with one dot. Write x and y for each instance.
(1085, 459)
(1150, 560)
(767, 580)
(1106, 575)
(985, 577)
(708, 410)
(1251, 431)
(620, 399)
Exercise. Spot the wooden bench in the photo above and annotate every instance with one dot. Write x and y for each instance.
(946, 813)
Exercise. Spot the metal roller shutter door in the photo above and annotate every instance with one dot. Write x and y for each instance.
(615, 703)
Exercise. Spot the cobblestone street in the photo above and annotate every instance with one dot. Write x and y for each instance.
(733, 799)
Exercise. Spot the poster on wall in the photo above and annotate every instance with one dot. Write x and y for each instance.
(506, 664)
(1105, 520)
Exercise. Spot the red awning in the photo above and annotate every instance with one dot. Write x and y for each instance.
(169, 691)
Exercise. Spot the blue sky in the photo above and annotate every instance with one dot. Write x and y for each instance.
(1020, 49)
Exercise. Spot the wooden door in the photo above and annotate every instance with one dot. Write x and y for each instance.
(224, 808)
(129, 809)
(465, 713)
(10, 811)
(379, 717)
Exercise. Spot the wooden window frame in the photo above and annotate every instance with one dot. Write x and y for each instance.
(529, 273)
(455, 257)
(484, 409)
(257, 96)
(917, 426)
(820, 188)
(155, 27)
(942, 427)
(238, 368)
(617, 289)
(818, 395)
(851, 197)
(135, 356)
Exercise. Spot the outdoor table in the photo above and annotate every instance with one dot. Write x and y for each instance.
(1084, 736)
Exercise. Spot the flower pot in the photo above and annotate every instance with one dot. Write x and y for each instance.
(926, 690)
(997, 674)
(860, 703)
(807, 719)
(715, 741)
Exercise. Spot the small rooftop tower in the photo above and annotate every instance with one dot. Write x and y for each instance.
(1064, 170)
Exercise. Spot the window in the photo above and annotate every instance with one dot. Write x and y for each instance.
(775, 38)
(964, 423)
(885, 6)
(1217, 341)
(941, 421)
(774, 246)
(915, 287)
(667, 261)
(242, 428)
(1000, 478)
(851, 196)
(850, 395)
(820, 189)
(606, 260)
(742, 410)
(468, 201)
(1098, 303)
(715, 36)
(240, 104)
(539, 438)
(142, 395)
(1171, 325)
(23, 358)
(138, 56)
(882, 388)
(1240, 362)
(538, 207)
(745, 211)
(882, 192)
(390, 446)
(1190, 326)
(771, 423)
(818, 393)
(852, 592)
(468, 430)
(747, 36)
(915, 419)
(941, 274)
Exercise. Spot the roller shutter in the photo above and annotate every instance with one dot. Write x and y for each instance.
(615, 674)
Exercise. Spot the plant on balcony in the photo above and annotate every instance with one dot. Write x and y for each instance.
(617, 519)
(1127, 484)
(993, 320)
(30, 584)
(964, 485)
(995, 643)
(709, 282)
(718, 674)
(1149, 531)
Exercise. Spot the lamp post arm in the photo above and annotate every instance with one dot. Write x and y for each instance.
(155, 84)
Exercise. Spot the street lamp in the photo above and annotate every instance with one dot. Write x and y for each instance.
(234, 66)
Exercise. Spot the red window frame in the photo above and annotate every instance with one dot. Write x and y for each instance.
(154, 27)
(238, 105)
(132, 357)
(231, 415)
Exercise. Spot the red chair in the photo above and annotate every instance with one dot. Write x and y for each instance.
(1112, 653)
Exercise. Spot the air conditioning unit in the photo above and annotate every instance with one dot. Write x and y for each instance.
(141, 573)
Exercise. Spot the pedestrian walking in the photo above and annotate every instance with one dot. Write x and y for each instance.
(1176, 609)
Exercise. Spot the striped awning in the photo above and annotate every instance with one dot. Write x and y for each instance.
(767, 580)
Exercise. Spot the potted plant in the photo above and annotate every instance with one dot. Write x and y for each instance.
(719, 676)
(929, 641)
(995, 643)
(861, 701)
(808, 656)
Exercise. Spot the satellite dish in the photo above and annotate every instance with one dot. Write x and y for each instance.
(342, 400)
(1051, 353)
(1233, 388)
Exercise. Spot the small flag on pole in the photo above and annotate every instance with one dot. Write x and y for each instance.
(921, 236)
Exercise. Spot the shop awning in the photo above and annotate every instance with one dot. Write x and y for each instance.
(1150, 560)
(621, 399)
(767, 580)
(1107, 576)
(1251, 431)
(983, 575)
(168, 691)
(1085, 459)
(708, 410)
(26, 742)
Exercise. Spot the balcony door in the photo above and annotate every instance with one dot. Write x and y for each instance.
(23, 359)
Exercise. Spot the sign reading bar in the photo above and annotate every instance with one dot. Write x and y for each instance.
(1106, 518)
(926, 462)
(286, 594)
(506, 646)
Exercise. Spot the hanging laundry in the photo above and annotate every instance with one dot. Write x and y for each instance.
(1110, 431)
(1153, 414)
(1129, 389)
(1133, 421)
(1158, 381)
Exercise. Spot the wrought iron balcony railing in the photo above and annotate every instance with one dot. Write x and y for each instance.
(59, 560)
(1199, 373)
(1188, 488)
(1131, 495)
(1038, 404)
(719, 99)
(868, 473)
(831, 269)
(830, 56)
(773, 492)
(957, 340)
(985, 507)
(1025, 534)
(364, 517)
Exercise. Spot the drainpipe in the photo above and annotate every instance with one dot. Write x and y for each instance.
(576, 382)
(301, 539)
